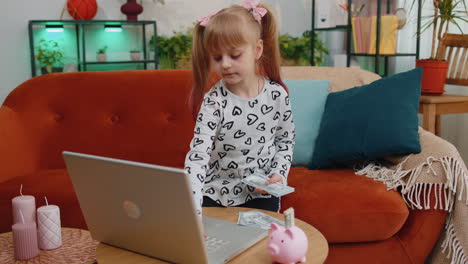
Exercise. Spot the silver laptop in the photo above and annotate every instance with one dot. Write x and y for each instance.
(148, 209)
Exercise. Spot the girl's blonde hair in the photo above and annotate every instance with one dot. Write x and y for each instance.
(231, 27)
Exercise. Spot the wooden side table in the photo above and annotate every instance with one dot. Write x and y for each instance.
(433, 106)
(77, 248)
(316, 254)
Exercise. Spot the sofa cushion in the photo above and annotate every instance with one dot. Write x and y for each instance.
(370, 122)
(56, 185)
(345, 207)
(308, 99)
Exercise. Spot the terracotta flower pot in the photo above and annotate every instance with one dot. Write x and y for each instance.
(434, 76)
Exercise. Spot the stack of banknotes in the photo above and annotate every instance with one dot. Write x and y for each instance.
(257, 219)
(258, 180)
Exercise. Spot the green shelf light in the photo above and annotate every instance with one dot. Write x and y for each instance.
(54, 28)
(113, 28)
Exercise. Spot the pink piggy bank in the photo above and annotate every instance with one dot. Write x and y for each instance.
(287, 245)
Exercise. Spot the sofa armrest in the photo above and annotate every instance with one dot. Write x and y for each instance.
(16, 150)
(431, 146)
(421, 231)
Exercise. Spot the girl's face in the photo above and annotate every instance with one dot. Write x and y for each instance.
(237, 64)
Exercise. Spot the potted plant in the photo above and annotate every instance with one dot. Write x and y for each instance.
(50, 56)
(446, 12)
(295, 51)
(135, 54)
(174, 52)
(152, 47)
(101, 54)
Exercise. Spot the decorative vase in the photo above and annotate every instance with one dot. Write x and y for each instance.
(132, 9)
(101, 57)
(135, 56)
(434, 76)
(82, 9)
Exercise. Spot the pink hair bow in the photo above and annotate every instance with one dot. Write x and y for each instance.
(257, 12)
(204, 20)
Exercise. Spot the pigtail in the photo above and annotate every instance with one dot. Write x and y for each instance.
(200, 69)
(271, 59)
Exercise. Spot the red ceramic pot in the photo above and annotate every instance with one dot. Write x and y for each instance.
(434, 76)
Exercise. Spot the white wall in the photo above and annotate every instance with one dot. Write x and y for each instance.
(294, 18)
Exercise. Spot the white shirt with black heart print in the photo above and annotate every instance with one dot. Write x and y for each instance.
(235, 136)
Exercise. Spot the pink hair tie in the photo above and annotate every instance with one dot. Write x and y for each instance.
(257, 12)
(204, 20)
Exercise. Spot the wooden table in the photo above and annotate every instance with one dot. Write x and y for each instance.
(316, 254)
(433, 106)
(77, 248)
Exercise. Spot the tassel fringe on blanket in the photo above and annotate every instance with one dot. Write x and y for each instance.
(418, 193)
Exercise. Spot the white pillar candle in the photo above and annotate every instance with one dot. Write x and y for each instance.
(27, 205)
(49, 229)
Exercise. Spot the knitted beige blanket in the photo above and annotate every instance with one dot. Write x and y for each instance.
(439, 168)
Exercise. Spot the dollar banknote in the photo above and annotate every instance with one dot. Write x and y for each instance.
(258, 219)
(258, 180)
(289, 217)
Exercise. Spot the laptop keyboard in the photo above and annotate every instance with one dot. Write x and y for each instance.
(212, 244)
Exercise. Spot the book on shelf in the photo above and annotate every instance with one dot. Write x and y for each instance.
(388, 34)
(356, 33)
(365, 32)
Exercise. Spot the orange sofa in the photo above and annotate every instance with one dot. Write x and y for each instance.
(143, 116)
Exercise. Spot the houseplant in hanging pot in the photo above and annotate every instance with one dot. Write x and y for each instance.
(50, 56)
(446, 12)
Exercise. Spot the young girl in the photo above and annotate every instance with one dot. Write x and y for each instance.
(244, 123)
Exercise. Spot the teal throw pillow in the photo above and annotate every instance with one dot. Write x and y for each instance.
(370, 122)
(308, 99)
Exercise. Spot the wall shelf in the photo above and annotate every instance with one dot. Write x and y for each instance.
(118, 62)
(384, 55)
(348, 29)
(79, 41)
(333, 28)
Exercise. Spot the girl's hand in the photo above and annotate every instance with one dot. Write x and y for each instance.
(274, 178)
